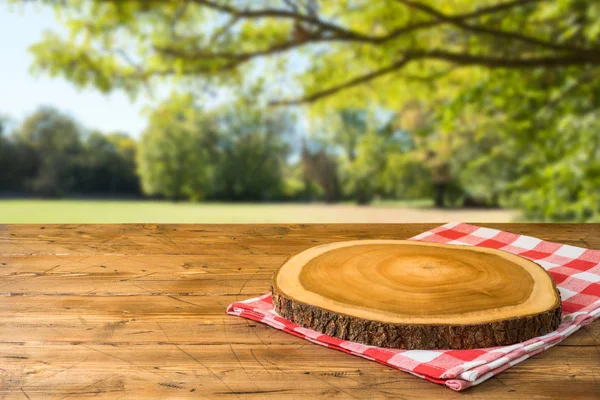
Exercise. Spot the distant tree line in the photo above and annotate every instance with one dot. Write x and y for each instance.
(500, 97)
(235, 153)
(241, 152)
(496, 101)
(51, 155)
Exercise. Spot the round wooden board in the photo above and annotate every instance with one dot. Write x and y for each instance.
(416, 295)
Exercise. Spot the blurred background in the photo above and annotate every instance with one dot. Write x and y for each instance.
(299, 111)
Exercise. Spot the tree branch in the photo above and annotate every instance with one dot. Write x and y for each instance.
(456, 58)
(488, 31)
(178, 14)
(349, 35)
(429, 79)
(281, 47)
(568, 56)
(223, 29)
(279, 13)
(495, 62)
(344, 35)
(351, 83)
(456, 18)
(244, 56)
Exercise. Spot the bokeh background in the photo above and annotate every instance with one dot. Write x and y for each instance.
(300, 111)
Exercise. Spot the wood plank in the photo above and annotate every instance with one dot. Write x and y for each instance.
(247, 285)
(181, 239)
(137, 311)
(226, 239)
(128, 266)
(264, 371)
(135, 275)
(136, 319)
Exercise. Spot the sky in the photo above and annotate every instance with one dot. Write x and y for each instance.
(21, 93)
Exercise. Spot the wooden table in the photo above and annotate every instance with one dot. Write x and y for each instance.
(138, 311)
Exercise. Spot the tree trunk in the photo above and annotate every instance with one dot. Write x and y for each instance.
(439, 194)
(414, 295)
(361, 196)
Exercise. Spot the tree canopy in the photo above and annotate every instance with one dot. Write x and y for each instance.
(231, 153)
(499, 96)
(50, 154)
(116, 44)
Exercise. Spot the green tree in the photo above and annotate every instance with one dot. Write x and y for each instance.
(541, 147)
(53, 141)
(393, 53)
(363, 149)
(363, 174)
(126, 179)
(320, 171)
(173, 157)
(11, 164)
(366, 145)
(432, 147)
(231, 153)
(406, 177)
(252, 153)
(107, 165)
(51, 155)
(116, 44)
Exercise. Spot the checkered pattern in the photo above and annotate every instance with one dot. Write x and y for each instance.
(575, 270)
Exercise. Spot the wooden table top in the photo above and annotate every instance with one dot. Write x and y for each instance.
(138, 311)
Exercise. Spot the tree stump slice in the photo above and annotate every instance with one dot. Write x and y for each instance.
(416, 295)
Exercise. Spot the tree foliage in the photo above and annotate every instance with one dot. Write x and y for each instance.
(173, 158)
(116, 44)
(54, 138)
(108, 166)
(51, 155)
(503, 93)
(252, 152)
(538, 146)
(230, 153)
(320, 172)
(362, 145)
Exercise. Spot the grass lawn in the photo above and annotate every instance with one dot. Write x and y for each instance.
(108, 211)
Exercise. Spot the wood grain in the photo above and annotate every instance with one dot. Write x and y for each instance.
(415, 295)
(137, 311)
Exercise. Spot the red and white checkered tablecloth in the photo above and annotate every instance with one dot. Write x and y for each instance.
(575, 270)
